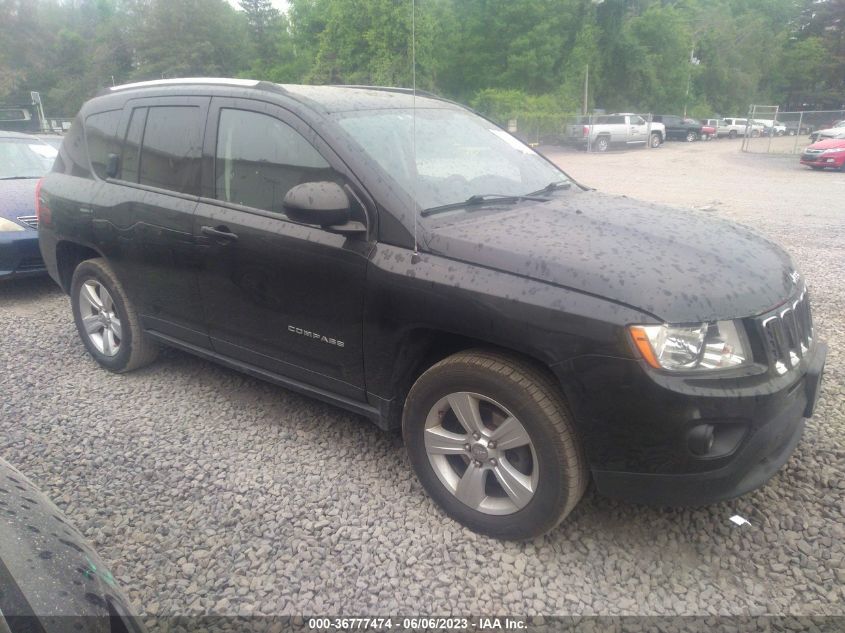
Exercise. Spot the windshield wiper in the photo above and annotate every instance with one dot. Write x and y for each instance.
(552, 186)
(478, 199)
(20, 177)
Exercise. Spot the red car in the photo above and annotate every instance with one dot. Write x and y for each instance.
(827, 153)
(707, 131)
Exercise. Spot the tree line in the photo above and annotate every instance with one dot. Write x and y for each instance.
(505, 57)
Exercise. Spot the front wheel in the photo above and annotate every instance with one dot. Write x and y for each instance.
(106, 320)
(655, 140)
(691, 136)
(492, 442)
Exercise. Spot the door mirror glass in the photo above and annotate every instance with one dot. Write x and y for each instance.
(320, 203)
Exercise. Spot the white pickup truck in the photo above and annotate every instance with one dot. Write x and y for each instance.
(599, 132)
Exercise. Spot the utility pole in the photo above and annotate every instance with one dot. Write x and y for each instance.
(585, 107)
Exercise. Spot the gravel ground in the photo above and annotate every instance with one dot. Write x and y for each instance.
(209, 492)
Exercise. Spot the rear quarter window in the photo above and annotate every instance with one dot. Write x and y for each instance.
(101, 138)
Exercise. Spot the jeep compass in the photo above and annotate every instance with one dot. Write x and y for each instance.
(404, 258)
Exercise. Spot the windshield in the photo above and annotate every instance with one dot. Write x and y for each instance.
(458, 154)
(25, 158)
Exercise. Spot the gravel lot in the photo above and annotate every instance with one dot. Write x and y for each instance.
(211, 492)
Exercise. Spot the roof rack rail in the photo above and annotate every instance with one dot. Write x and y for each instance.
(176, 81)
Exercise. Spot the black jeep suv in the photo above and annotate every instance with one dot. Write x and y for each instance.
(406, 259)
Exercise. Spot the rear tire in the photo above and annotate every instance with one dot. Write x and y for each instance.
(732, 134)
(602, 144)
(516, 492)
(106, 320)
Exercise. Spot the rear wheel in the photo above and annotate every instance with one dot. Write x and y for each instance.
(493, 443)
(106, 320)
(602, 144)
(732, 134)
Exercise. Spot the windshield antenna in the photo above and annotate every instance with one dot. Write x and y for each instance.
(416, 256)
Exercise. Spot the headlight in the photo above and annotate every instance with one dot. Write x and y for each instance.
(703, 347)
(8, 225)
(835, 150)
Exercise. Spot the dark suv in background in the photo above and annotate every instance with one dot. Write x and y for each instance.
(410, 261)
(679, 128)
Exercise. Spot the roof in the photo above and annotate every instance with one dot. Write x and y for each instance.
(328, 99)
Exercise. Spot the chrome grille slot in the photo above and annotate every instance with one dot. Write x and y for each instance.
(30, 220)
(788, 334)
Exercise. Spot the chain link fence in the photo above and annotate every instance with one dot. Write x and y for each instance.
(772, 131)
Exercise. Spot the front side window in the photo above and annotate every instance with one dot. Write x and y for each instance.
(456, 155)
(172, 149)
(260, 158)
(101, 138)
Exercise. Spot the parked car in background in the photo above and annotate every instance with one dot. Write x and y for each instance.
(771, 127)
(23, 160)
(602, 131)
(837, 130)
(51, 580)
(679, 128)
(527, 334)
(743, 127)
(825, 154)
(19, 118)
(720, 125)
(708, 131)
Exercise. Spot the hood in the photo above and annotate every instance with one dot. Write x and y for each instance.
(830, 143)
(679, 265)
(17, 198)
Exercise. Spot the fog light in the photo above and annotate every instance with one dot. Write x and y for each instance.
(700, 439)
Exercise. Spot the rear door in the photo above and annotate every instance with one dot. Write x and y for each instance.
(282, 296)
(143, 218)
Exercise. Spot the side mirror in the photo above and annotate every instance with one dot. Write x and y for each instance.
(112, 165)
(322, 203)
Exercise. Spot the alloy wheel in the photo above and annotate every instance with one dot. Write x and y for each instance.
(481, 453)
(99, 318)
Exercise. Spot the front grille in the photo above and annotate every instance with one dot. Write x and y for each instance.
(30, 220)
(788, 333)
(30, 264)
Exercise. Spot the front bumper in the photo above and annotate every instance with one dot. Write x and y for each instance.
(820, 160)
(638, 441)
(20, 255)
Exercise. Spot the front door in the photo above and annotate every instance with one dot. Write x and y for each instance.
(637, 130)
(278, 295)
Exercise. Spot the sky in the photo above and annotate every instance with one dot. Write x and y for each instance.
(281, 5)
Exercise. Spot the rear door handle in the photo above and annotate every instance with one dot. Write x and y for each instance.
(221, 233)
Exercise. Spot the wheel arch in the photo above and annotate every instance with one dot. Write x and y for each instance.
(68, 256)
(421, 348)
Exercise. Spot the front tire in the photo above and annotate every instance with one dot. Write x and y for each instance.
(655, 140)
(691, 136)
(106, 320)
(492, 442)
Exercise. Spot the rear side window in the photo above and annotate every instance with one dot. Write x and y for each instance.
(171, 149)
(129, 161)
(259, 159)
(101, 139)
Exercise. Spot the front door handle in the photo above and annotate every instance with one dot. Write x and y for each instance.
(221, 233)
